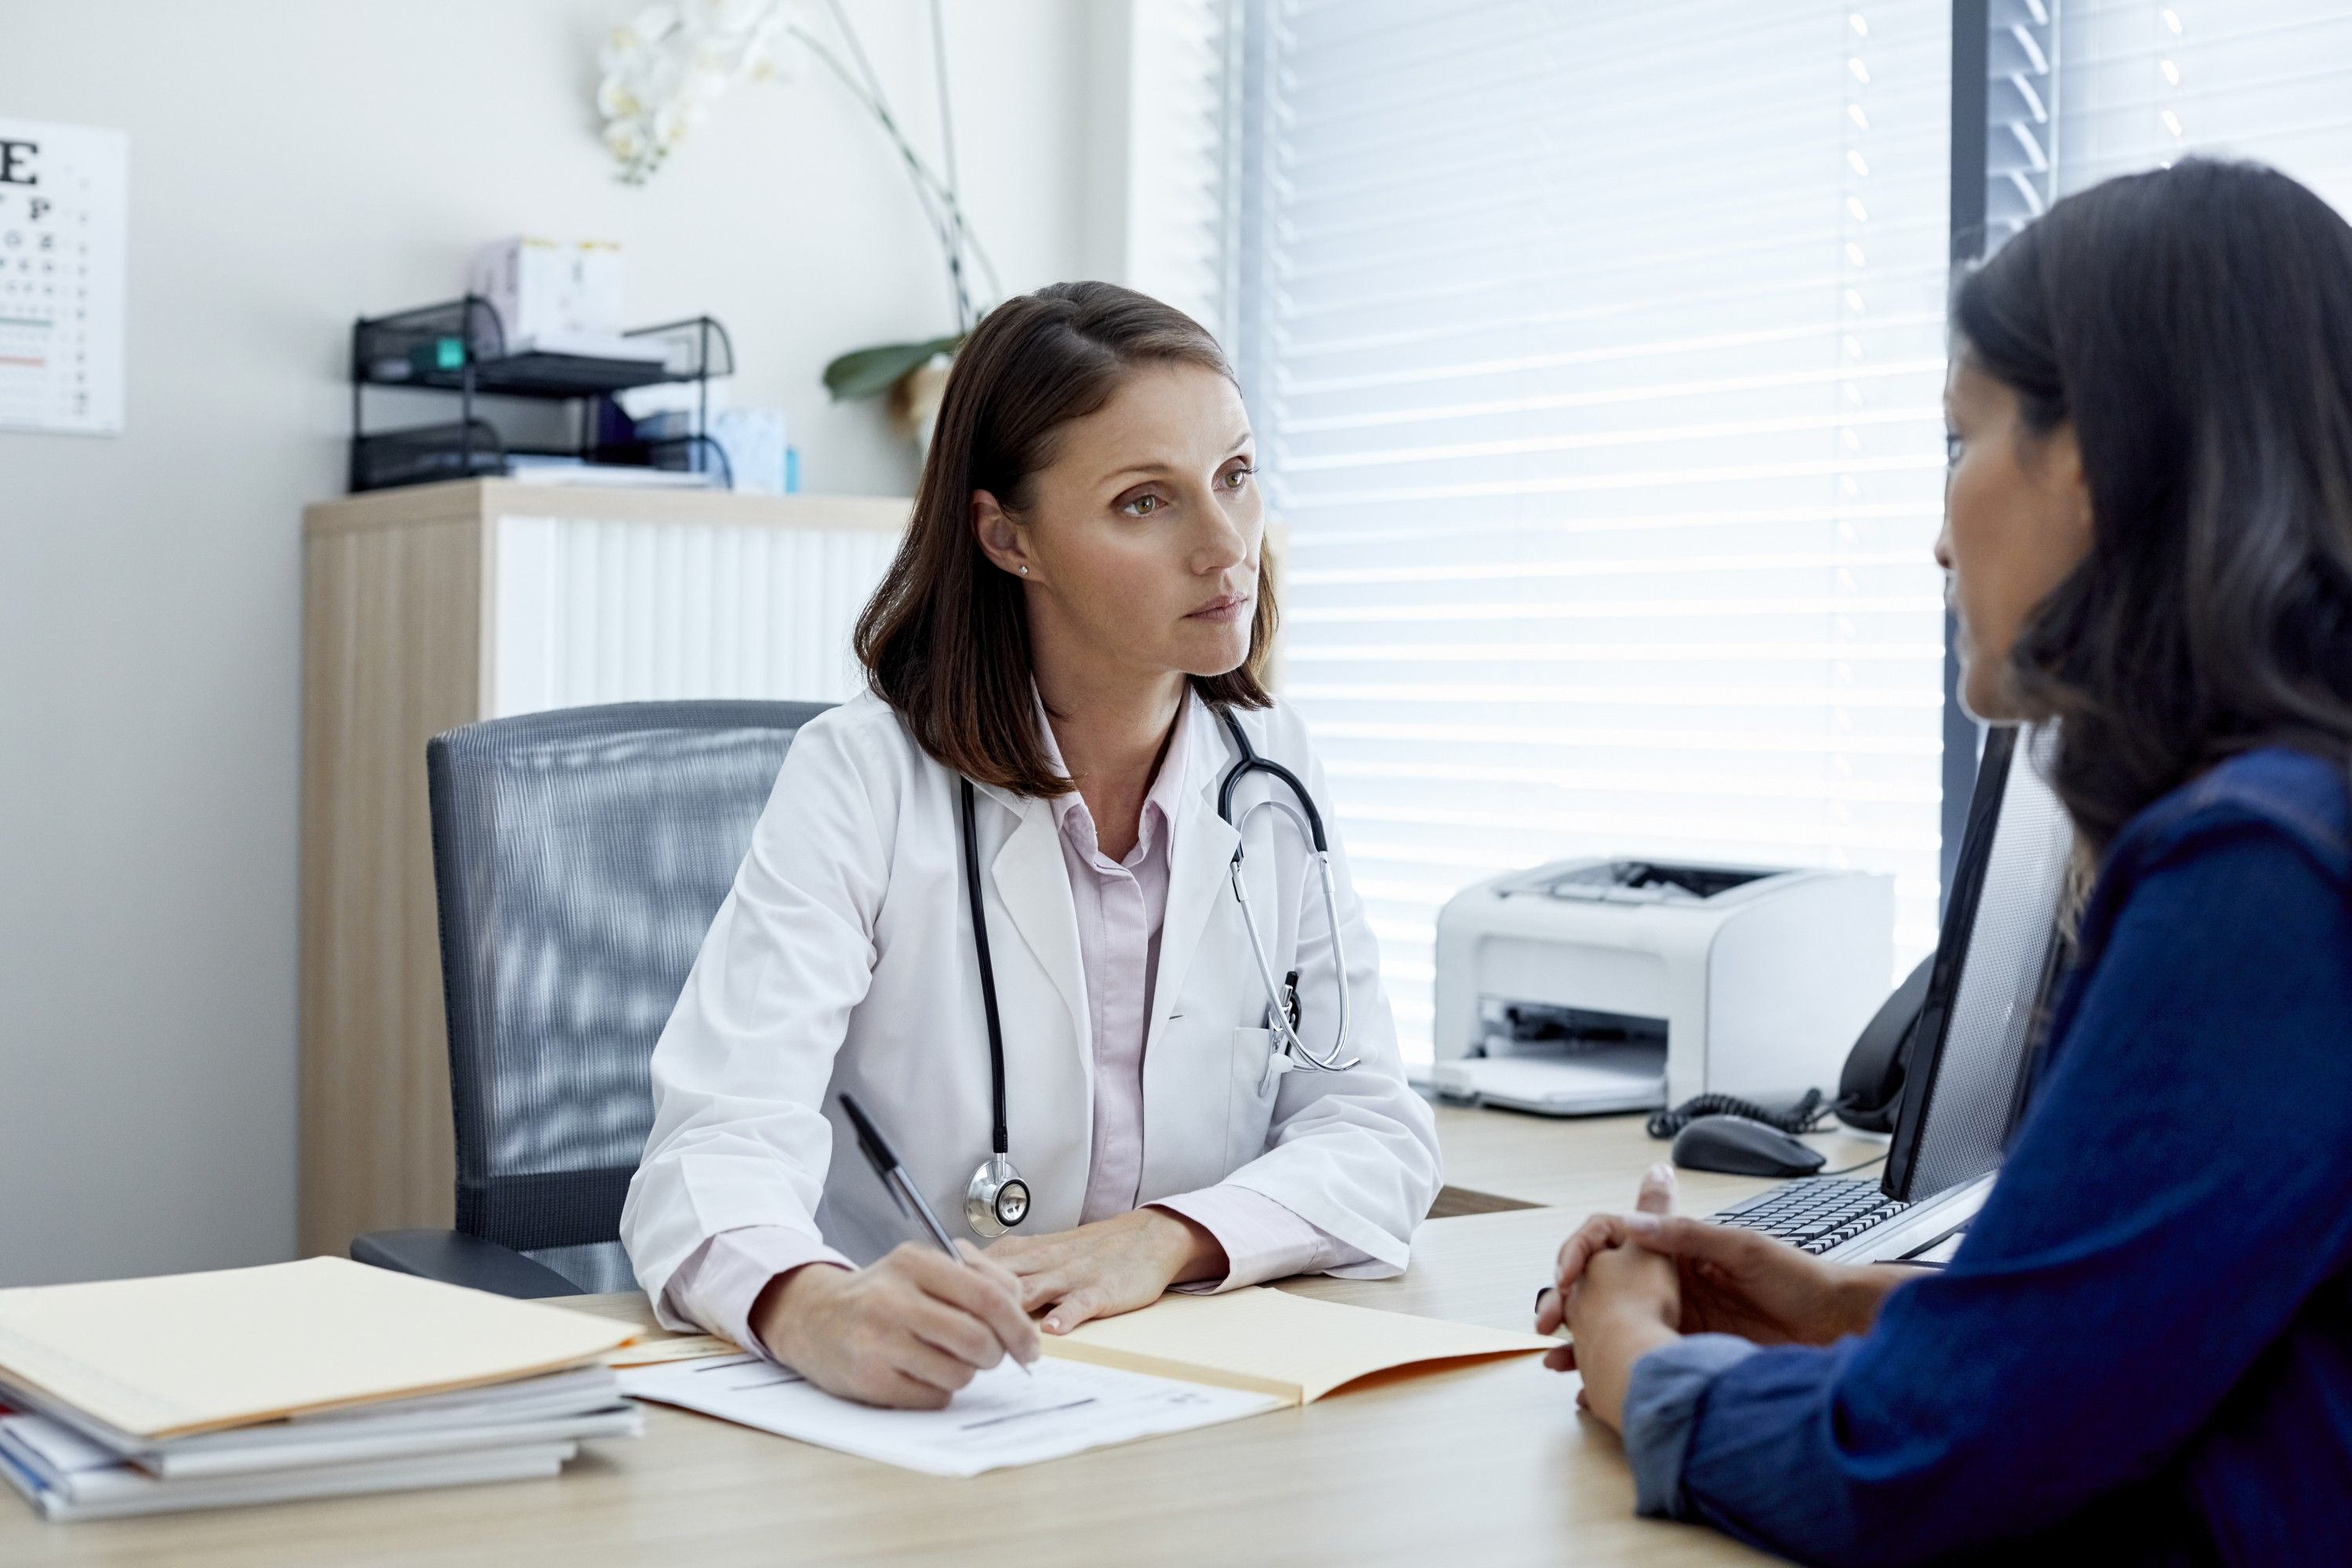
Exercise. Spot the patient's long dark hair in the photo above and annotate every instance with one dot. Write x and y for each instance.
(2194, 325)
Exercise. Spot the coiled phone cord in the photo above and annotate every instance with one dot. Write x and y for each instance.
(1806, 1116)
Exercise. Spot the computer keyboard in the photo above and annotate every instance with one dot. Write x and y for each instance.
(1817, 1213)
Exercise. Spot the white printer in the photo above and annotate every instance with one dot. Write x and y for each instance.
(1597, 986)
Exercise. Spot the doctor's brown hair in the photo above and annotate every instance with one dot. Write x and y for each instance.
(945, 639)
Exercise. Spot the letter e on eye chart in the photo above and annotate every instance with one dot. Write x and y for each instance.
(62, 217)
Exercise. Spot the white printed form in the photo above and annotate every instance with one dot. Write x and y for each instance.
(1000, 1418)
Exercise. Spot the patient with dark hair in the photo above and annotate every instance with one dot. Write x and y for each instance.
(2142, 1351)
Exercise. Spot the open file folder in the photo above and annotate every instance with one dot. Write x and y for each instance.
(1269, 1341)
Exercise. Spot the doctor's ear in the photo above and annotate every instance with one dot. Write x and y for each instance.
(998, 535)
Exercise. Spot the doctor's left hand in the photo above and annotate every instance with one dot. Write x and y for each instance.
(1111, 1267)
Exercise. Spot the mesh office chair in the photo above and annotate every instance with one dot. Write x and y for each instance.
(579, 856)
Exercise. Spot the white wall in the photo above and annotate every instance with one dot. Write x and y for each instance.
(295, 163)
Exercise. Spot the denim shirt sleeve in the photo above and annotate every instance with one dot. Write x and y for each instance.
(1662, 1401)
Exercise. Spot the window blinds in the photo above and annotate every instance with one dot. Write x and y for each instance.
(2141, 84)
(2020, 119)
(1596, 354)
(1180, 125)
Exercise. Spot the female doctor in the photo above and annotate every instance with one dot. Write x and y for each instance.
(1064, 669)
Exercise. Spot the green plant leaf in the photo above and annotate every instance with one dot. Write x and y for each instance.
(870, 373)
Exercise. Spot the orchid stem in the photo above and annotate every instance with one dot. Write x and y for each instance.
(939, 199)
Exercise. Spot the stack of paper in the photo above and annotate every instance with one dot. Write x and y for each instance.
(296, 1380)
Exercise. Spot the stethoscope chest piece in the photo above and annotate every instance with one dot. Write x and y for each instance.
(997, 1200)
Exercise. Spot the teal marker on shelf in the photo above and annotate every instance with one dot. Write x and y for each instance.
(441, 354)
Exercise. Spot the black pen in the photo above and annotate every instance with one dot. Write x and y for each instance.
(901, 1188)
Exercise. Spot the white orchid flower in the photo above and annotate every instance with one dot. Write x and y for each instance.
(765, 58)
(701, 88)
(616, 100)
(623, 49)
(625, 140)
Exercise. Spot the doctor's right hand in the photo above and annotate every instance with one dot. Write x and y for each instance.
(908, 1331)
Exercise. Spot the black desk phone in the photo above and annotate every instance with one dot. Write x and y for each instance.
(1870, 1089)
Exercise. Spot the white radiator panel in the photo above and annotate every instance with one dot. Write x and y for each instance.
(597, 611)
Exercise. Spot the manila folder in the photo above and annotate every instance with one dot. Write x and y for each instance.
(1270, 1342)
(178, 1353)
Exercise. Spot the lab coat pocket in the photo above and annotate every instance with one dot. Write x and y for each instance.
(1257, 1079)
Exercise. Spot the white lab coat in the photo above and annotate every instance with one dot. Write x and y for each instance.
(843, 959)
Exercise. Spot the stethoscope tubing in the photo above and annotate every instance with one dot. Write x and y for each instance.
(998, 1174)
(1277, 1017)
(999, 1138)
(1310, 826)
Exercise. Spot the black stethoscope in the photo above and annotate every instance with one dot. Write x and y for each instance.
(998, 1199)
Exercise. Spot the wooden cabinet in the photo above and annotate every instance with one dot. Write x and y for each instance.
(434, 606)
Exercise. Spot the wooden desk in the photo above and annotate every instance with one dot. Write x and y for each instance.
(1590, 1163)
(1487, 1464)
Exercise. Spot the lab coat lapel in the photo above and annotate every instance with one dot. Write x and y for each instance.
(1034, 884)
(1201, 851)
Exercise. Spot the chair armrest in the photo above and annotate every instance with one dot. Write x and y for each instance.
(455, 1258)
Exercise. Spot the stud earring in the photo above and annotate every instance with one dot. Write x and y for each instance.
(1025, 571)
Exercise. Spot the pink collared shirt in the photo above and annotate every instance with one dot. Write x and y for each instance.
(1120, 906)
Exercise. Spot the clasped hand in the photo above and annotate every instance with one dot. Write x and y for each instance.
(1625, 1284)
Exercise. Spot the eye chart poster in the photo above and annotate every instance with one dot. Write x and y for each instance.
(62, 198)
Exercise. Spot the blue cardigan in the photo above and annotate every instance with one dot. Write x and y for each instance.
(2143, 1349)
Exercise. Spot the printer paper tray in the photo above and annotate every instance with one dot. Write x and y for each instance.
(1590, 1084)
